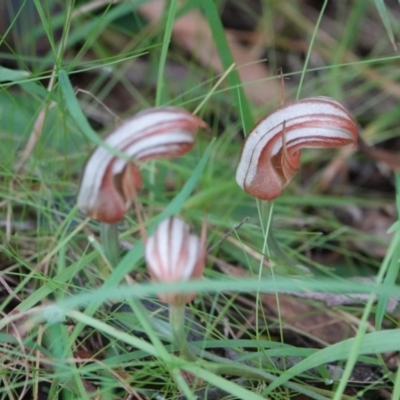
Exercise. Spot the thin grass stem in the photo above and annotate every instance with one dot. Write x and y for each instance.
(310, 47)
(164, 51)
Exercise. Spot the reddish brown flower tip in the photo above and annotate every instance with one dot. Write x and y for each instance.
(271, 153)
(109, 183)
(174, 255)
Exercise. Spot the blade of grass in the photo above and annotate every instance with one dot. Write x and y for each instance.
(392, 263)
(396, 389)
(362, 328)
(391, 266)
(160, 95)
(361, 331)
(78, 116)
(46, 23)
(222, 383)
(61, 277)
(375, 342)
(347, 42)
(12, 75)
(281, 284)
(310, 47)
(243, 106)
(56, 339)
(184, 387)
(55, 282)
(384, 14)
(113, 332)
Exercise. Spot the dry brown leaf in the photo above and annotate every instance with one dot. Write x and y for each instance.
(192, 32)
(319, 324)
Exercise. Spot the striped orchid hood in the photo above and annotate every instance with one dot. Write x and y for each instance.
(173, 254)
(271, 153)
(109, 183)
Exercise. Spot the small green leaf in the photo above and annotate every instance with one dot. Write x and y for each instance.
(12, 75)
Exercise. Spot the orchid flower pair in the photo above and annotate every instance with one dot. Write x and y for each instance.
(269, 160)
(109, 185)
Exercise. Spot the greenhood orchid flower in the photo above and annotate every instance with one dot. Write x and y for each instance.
(109, 183)
(271, 153)
(173, 254)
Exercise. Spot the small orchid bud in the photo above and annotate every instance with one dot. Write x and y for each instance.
(271, 153)
(174, 255)
(109, 183)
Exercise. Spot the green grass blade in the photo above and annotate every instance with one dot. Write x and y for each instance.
(222, 383)
(265, 285)
(375, 342)
(393, 259)
(56, 282)
(164, 51)
(46, 23)
(113, 332)
(392, 264)
(384, 14)
(310, 47)
(78, 116)
(11, 75)
(243, 106)
(396, 388)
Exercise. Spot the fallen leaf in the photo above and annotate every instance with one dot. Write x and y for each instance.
(318, 324)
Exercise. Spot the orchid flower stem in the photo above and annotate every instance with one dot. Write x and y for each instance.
(177, 322)
(273, 248)
(110, 242)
